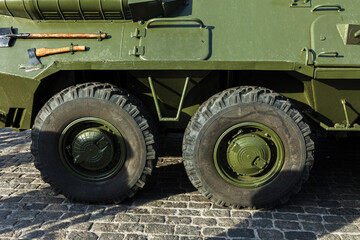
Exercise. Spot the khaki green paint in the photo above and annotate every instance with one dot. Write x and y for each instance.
(307, 40)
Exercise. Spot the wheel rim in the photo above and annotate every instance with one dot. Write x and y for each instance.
(92, 149)
(249, 155)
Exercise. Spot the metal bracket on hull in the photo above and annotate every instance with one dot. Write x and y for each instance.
(167, 119)
(300, 3)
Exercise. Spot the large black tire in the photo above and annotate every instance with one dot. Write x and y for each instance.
(117, 175)
(247, 105)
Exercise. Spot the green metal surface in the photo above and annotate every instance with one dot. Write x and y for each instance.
(158, 110)
(92, 149)
(249, 155)
(88, 9)
(315, 43)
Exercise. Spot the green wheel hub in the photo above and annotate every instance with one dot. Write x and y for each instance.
(92, 149)
(249, 155)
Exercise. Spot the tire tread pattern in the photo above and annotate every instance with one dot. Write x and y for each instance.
(122, 99)
(234, 96)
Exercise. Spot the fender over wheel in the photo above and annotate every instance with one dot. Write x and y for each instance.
(94, 143)
(248, 147)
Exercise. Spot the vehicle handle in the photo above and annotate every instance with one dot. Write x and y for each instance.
(331, 6)
(328, 54)
(157, 20)
(307, 55)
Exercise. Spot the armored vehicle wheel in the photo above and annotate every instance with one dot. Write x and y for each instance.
(248, 147)
(94, 143)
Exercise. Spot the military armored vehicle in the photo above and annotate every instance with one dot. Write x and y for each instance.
(244, 80)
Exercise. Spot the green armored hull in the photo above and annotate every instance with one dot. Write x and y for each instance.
(243, 79)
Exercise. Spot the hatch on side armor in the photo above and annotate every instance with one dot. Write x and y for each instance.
(335, 41)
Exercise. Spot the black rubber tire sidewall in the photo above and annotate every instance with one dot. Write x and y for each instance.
(270, 116)
(71, 185)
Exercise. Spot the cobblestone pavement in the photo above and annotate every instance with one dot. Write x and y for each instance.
(170, 208)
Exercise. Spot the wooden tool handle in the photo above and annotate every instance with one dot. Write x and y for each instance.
(40, 52)
(67, 35)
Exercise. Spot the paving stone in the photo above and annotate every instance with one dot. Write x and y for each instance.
(334, 227)
(123, 217)
(287, 225)
(350, 237)
(200, 205)
(352, 218)
(204, 221)
(54, 235)
(187, 230)
(263, 214)
(152, 219)
(116, 209)
(344, 211)
(241, 232)
(48, 216)
(104, 227)
(138, 211)
(170, 208)
(233, 222)
(55, 226)
(216, 213)
(23, 215)
(57, 208)
(4, 214)
(182, 212)
(75, 217)
(269, 234)
(159, 229)
(135, 237)
(240, 214)
(190, 238)
(162, 211)
(219, 232)
(261, 223)
(316, 210)
(82, 226)
(165, 237)
(130, 227)
(82, 235)
(111, 236)
(33, 234)
(22, 224)
(310, 218)
(6, 232)
(175, 205)
(285, 216)
(102, 217)
(178, 220)
(35, 206)
(300, 235)
(198, 198)
(313, 227)
(329, 237)
(78, 208)
(334, 219)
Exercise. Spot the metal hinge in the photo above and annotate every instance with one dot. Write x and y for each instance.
(300, 3)
(137, 51)
(138, 33)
